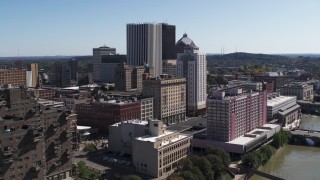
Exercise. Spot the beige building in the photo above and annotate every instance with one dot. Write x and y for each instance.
(160, 152)
(146, 108)
(42, 93)
(169, 98)
(122, 133)
(35, 74)
(169, 66)
(128, 77)
(302, 91)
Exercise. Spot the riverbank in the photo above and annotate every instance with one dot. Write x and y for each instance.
(293, 163)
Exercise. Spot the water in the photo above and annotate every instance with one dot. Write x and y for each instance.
(310, 122)
(296, 162)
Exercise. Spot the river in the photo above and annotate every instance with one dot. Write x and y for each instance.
(296, 162)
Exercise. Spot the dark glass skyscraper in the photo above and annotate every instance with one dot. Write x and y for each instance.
(168, 41)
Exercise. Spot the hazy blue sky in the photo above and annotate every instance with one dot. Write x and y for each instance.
(74, 27)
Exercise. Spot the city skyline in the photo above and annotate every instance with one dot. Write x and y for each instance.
(38, 28)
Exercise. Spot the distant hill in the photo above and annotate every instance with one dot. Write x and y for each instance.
(44, 58)
(246, 57)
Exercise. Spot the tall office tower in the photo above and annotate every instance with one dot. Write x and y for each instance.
(234, 113)
(35, 74)
(35, 138)
(193, 66)
(108, 66)
(73, 64)
(168, 42)
(62, 75)
(169, 97)
(97, 53)
(150, 44)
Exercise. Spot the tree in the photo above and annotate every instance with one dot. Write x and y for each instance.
(204, 165)
(221, 153)
(266, 153)
(197, 173)
(216, 163)
(90, 147)
(251, 160)
(85, 172)
(131, 177)
(187, 175)
(175, 177)
(81, 167)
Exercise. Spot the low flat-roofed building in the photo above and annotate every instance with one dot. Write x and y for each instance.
(42, 93)
(242, 144)
(121, 135)
(276, 103)
(284, 109)
(160, 152)
(303, 91)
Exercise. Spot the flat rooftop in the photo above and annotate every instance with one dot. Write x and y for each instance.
(279, 100)
(83, 127)
(188, 124)
(242, 140)
(154, 138)
(133, 121)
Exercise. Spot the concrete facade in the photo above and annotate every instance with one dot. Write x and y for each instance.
(169, 98)
(35, 74)
(160, 152)
(285, 109)
(122, 134)
(146, 109)
(128, 77)
(303, 91)
(169, 67)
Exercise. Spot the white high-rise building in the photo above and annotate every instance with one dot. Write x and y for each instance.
(193, 66)
(144, 46)
(97, 53)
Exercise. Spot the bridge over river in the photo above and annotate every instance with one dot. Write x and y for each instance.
(302, 134)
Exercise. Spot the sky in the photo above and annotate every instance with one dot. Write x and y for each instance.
(74, 27)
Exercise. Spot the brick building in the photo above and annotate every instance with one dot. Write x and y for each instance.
(15, 77)
(35, 141)
(103, 114)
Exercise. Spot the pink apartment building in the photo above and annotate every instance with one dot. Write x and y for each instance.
(234, 113)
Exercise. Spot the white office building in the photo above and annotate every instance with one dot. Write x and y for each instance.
(284, 109)
(144, 46)
(193, 66)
